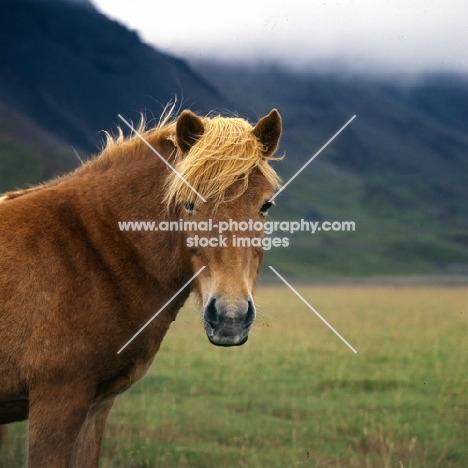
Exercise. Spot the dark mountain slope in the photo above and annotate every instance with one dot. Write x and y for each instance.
(28, 153)
(72, 70)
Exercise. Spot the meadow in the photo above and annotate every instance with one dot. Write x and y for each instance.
(294, 395)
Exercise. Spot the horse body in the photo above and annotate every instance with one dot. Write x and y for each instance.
(75, 288)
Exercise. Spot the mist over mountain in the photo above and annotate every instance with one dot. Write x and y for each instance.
(399, 171)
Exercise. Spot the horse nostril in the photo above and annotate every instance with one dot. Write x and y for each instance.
(211, 314)
(250, 315)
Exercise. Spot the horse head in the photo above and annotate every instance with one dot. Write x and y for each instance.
(227, 162)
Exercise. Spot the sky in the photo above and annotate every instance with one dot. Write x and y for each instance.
(359, 35)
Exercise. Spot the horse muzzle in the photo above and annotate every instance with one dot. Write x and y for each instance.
(228, 322)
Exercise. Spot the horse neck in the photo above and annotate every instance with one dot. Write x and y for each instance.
(131, 189)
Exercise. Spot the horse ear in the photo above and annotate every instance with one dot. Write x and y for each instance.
(268, 131)
(189, 128)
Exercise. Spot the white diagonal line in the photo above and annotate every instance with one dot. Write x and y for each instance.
(313, 310)
(312, 158)
(160, 310)
(158, 154)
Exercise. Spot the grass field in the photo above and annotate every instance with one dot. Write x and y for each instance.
(295, 395)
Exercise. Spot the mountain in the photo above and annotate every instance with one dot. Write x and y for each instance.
(72, 70)
(79, 3)
(398, 171)
(28, 153)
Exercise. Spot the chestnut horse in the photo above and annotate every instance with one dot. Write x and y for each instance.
(75, 288)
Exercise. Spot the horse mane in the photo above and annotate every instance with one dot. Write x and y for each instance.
(225, 154)
(109, 155)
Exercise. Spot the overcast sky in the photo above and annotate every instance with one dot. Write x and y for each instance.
(363, 35)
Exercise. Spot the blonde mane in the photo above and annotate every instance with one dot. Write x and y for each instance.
(219, 163)
(225, 154)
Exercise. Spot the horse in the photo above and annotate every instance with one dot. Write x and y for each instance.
(75, 288)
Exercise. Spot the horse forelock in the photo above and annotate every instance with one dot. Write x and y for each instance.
(224, 155)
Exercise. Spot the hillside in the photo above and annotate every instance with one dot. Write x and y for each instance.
(28, 153)
(399, 171)
(72, 70)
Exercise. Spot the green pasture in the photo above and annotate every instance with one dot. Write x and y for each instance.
(294, 395)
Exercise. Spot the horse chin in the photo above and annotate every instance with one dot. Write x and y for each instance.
(227, 342)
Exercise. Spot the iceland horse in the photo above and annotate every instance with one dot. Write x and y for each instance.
(75, 288)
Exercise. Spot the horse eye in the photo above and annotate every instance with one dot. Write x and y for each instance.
(189, 206)
(265, 207)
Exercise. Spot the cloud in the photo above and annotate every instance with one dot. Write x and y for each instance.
(397, 35)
